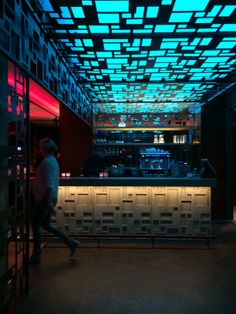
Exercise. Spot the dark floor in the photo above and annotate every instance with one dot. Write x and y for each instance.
(140, 280)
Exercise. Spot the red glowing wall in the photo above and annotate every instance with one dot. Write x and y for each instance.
(42, 104)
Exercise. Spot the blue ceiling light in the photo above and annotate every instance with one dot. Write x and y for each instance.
(54, 15)
(110, 42)
(78, 12)
(186, 30)
(88, 42)
(210, 53)
(180, 17)
(214, 12)
(199, 14)
(204, 20)
(227, 43)
(65, 21)
(78, 42)
(152, 12)
(228, 10)
(142, 31)
(65, 13)
(228, 28)
(217, 59)
(134, 21)
(99, 29)
(61, 31)
(146, 42)
(205, 41)
(117, 61)
(108, 18)
(191, 5)
(207, 30)
(169, 45)
(87, 2)
(104, 54)
(139, 12)
(166, 2)
(112, 6)
(164, 28)
(46, 6)
(112, 46)
(121, 31)
(166, 59)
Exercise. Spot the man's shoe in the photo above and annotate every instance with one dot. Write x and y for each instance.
(73, 246)
(35, 259)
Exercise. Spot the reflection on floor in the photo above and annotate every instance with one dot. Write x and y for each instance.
(139, 280)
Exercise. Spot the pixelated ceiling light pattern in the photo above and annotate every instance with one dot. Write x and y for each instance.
(166, 41)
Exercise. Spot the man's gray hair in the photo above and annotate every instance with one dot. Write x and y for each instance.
(48, 145)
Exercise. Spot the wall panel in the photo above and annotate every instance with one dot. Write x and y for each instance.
(136, 210)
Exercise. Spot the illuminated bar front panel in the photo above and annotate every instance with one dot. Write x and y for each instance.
(183, 210)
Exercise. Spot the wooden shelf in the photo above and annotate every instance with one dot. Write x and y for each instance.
(153, 169)
(160, 128)
(145, 144)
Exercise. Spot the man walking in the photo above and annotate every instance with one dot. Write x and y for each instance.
(45, 189)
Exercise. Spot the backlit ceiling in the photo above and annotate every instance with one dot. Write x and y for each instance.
(146, 55)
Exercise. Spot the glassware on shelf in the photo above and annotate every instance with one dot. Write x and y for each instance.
(155, 140)
(180, 139)
(161, 138)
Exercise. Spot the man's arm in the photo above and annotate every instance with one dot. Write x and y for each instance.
(49, 197)
(49, 184)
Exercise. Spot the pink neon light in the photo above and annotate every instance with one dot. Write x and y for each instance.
(40, 97)
(12, 81)
(37, 95)
(38, 113)
(11, 76)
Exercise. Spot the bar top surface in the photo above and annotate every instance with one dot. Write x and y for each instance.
(136, 181)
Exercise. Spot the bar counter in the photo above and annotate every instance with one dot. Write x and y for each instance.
(135, 205)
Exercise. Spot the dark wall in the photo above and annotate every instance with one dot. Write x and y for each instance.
(213, 133)
(38, 132)
(75, 141)
(219, 146)
(231, 182)
(231, 154)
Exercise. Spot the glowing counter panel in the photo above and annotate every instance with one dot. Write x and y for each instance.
(135, 205)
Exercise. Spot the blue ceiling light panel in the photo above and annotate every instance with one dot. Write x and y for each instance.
(112, 6)
(164, 28)
(99, 29)
(180, 17)
(108, 18)
(65, 12)
(190, 5)
(144, 52)
(228, 28)
(78, 12)
(152, 12)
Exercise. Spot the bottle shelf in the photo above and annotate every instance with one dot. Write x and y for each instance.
(153, 169)
(159, 128)
(145, 144)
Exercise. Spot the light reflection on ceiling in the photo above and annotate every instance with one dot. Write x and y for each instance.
(146, 51)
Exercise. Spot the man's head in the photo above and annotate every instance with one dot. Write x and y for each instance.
(47, 147)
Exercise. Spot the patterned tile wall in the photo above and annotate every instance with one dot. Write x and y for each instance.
(14, 210)
(134, 210)
(22, 40)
